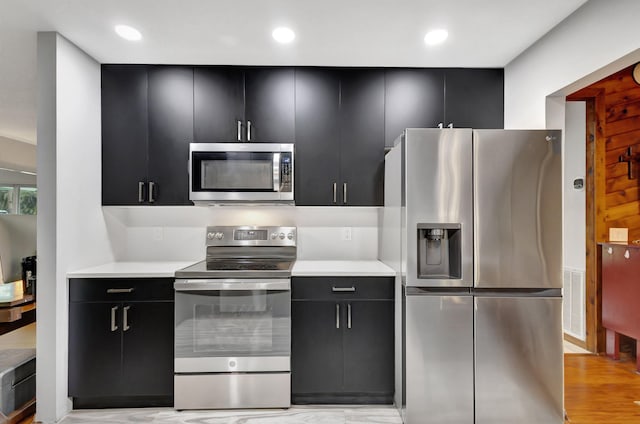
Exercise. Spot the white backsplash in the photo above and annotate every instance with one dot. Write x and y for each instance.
(178, 233)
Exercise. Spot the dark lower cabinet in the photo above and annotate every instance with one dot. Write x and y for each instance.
(316, 349)
(342, 342)
(121, 342)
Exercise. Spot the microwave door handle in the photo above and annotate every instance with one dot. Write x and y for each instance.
(276, 172)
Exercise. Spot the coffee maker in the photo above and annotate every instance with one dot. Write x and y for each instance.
(29, 275)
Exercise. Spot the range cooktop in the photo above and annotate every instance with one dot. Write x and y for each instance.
(237, 269)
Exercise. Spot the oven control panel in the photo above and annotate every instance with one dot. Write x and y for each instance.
(251, 236)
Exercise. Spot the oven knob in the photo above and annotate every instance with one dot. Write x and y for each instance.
(210, 236)
(273, 236)
(219, 236)
(290, 236)
(281, 236)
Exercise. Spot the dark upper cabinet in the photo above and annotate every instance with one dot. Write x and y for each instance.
(340, 119)
(361, 137)
(269, 105)
(170, 132)
(317, 160)
(124, 134)
(474, 98)
(218, 104)
(414, 98)
(339, 136)
(147, 125)
(243, 104)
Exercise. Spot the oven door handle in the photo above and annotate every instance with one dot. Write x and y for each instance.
(210, 284)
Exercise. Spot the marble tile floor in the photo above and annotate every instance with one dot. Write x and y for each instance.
(294, 415)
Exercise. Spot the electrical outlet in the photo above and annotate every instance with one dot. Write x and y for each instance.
(158, 234)
(346, 233)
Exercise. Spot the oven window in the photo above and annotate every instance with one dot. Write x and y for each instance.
(233, 323)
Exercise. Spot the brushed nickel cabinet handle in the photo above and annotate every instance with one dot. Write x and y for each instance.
(140, 191)
(239, 130)
(344, 193)
(152, 187)
(112, 291)
(248, 130)
(450, 125)
(440, 125)
(114, 327)
(349, 315)
(337, 315)
(343, 289)
(125, 318)
(335, 193)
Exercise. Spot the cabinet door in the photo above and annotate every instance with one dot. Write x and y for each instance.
(148, 348)
(317, 155)
(218, 101)
(361, 137)
(474, 98)
(95, 367)
(170, 132)
(269, 105)
(368, 348)
(316, 348)
(414, 98)
(124, 133)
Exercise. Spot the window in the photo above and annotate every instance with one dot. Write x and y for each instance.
(16, 199)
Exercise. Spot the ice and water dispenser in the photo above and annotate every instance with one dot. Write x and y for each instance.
(440, 251)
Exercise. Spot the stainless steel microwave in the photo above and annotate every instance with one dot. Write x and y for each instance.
(241, 173)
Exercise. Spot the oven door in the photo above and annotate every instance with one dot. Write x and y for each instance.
(240, 172)
(232, 325)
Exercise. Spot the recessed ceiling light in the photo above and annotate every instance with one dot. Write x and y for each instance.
(128, 33)
(283, 35)
(435, 36)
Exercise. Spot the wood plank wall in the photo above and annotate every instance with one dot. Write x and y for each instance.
(613, 200)
(621, 130)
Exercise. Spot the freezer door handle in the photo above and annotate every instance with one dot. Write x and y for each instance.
(517, 292)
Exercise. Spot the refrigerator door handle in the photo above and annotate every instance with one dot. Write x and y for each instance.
(517, 292)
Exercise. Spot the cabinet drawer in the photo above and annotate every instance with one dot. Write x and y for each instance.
(120, 289)
(337, 288)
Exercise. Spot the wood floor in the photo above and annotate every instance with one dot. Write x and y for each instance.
(598, 390)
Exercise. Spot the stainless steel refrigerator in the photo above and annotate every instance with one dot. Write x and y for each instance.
(473, 225)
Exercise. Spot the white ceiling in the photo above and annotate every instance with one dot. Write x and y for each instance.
(487, 33)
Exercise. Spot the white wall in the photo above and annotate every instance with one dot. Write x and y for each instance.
(574, 203)
(71, 227)
(597, 40)
(157, 233)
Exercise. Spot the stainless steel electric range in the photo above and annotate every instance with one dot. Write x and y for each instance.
(233, 321)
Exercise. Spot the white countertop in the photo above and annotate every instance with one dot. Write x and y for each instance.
(301, 268)
(371, 268)
(130, 270)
